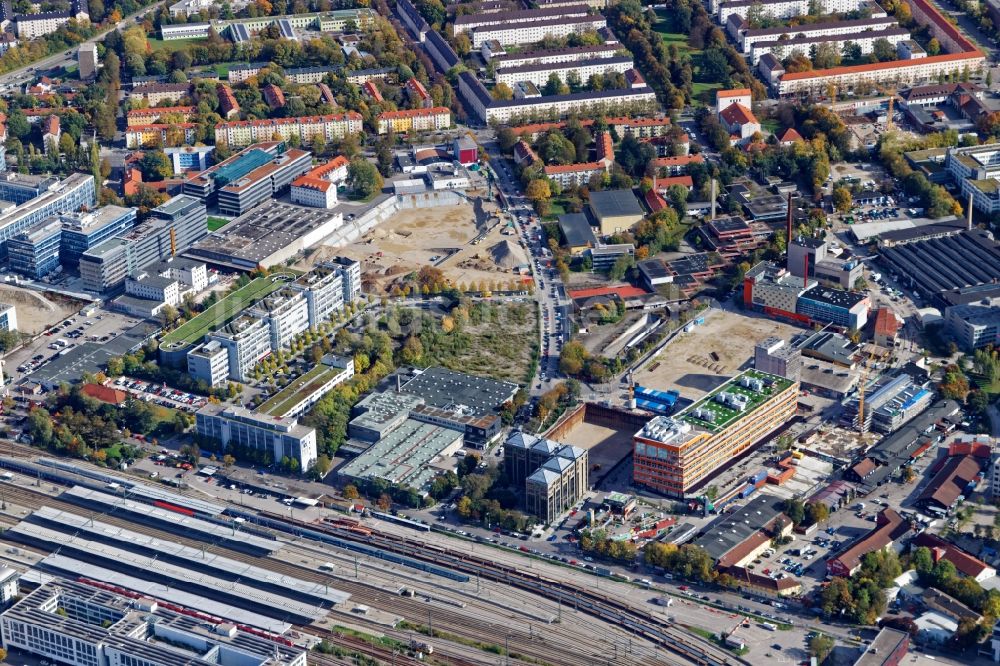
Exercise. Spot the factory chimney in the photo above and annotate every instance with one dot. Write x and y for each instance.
(788, 224)
(968, 214)
(713, 200)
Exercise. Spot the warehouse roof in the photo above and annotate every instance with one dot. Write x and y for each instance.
(577, 230)
(612, 203)
(440, 387)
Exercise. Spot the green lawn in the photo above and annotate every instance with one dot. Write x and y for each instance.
(216, 223)
(173, 44)
(771, 125)
(281, 402)
(699, 89)
(222, 312)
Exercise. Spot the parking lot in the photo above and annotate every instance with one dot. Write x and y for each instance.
(63, 337)
(159, 394)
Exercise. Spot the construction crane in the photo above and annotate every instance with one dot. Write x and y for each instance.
(891, 92)
(862, 385)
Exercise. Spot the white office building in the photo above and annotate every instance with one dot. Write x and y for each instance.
(230, 425)
(286, 313)
(209, 363)
(247, 341)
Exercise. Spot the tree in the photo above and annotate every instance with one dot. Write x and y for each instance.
(384, 502)
(502, 91)
(412, 351)
(364, 178)
(883, 50)
(506, 138)
(820, 646)
(351, 492)
(923, 560)
(155, 166)
(795, 510)
(933, 47)
(554, 86)
(538, 190)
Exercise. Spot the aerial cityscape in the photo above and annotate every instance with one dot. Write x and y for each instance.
(499, 332)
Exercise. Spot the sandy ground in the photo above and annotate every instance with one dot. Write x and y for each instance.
(411, 238)
(606, 446)
(686, 365)
(36, 311)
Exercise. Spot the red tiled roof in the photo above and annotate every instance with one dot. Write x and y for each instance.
(737, 114)
(655, 202)
(881, 66)
(417, 88)
(52, 124)
(950, 481)
(161, 110)
(886, 322)
(679, 160)
(316, 178)
(414, 113)
(573, 168)
(372, 90)
(743, 549)
(632, 76)
(735, 92)
(624, 291)
(105, 394)
(890, 526)
(683, 181)
(864, 468)
(329, 118)
(743, 575)
(523, 151)
(605, 146)
(790, 135)
(274, 96)
(227, 101)
(963, 561)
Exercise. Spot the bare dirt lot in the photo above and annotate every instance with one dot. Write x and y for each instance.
(440, 236)
(37, 311)
(606, 446)
(687, 365)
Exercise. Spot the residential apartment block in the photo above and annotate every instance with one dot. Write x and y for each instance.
(783, 47)
(31, 26)
(530, 32)
(470, 22)
(160, 135)
(539, 73)
(157, 94)
(673, 455)
(636, 101)
(414, 120)
(778, 9)
(154, 115)
(242, 133)
(551, 56)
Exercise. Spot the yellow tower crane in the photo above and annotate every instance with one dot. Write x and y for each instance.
(862, 386)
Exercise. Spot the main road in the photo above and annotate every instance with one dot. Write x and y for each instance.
(64, 58)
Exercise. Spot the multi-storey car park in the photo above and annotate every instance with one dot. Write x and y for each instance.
(675, 455)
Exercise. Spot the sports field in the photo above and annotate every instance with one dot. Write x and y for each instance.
(225, 310)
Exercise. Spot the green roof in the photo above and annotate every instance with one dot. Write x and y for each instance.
(726, 415)
(225, 310)
(986, 185)
(298, 390)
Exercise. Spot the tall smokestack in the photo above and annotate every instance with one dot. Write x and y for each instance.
(968, 214)
(713, 199)
(788, 224)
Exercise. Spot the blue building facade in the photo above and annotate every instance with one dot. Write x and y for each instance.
(35, 253)
(58, 197)
(82, 231)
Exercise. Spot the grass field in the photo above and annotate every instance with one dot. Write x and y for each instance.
(665, 28)
(222, 312)
(216, 223)
(173, 44)
(282, 402)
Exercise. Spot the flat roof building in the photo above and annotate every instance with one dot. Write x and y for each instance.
(440, 387)
(66, 619)
(615, 210)
(278, 438)
(267, 235)
(675, 455)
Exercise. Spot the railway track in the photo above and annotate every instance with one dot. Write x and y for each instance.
(638, 622)
(558, 649)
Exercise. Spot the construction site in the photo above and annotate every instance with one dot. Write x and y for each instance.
(470, 242)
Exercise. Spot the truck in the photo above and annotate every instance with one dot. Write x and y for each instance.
(770, 626)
